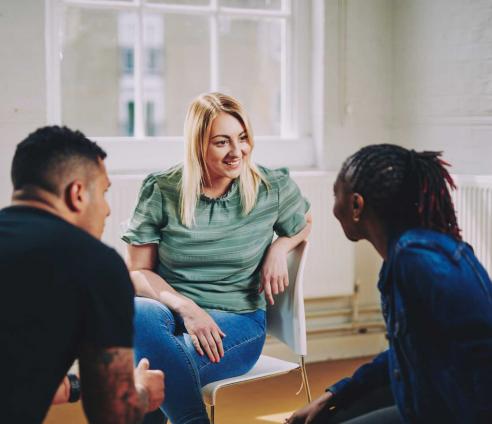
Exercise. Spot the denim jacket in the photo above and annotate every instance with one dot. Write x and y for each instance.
(437, 304)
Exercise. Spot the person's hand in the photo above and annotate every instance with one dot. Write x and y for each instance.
(62, 393)
(205, 334)
(274, 275)
(317, 412)
(152, 381)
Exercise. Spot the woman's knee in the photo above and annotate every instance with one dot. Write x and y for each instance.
(150, 312)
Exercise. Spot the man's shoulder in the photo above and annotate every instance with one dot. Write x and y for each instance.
(93, 253)
(35, 228)
(59, 241)
(97, 267)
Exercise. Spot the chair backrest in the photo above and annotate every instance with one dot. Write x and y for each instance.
(285, 319)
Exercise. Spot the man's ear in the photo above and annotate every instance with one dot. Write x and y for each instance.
(76, 196)
(357, 206)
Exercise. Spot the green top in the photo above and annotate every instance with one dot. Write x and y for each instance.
(216, 262)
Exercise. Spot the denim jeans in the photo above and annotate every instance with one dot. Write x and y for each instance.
(161, 337)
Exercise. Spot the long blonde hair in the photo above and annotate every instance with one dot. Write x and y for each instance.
(201, 113)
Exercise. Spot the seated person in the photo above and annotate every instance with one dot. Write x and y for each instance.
(200, 254)
(65, 295)
(436, 297)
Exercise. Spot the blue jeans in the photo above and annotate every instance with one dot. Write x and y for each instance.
(161, 337)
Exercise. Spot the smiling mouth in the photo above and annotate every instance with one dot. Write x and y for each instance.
(233, 163)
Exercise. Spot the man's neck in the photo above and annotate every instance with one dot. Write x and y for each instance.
(39, 199)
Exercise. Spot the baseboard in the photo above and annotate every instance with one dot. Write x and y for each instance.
(323, 347)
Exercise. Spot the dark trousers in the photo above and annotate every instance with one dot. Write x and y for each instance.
(377, 407)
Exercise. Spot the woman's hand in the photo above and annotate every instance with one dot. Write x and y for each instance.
(274, 275)
(204, 332)
(317, 412)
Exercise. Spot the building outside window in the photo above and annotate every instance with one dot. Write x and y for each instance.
(126, 70)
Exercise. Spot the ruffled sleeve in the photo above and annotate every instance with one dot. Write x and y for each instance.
(292, 206)
(148, 218)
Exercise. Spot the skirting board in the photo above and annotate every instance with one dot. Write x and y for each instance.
(323, 347)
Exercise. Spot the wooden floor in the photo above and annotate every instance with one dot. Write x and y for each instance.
(262, 402)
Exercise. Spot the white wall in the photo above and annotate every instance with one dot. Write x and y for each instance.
(414, 72)
(358, 92)
(443, 80)
(358, 108)
(22, 79)
(359, 58)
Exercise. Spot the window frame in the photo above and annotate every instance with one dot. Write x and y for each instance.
(300, 142)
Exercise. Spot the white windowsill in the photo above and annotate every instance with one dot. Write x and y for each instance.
(140, 156)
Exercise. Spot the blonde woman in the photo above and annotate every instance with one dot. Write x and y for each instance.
(201, 255)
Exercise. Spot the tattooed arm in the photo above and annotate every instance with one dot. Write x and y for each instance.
(112, 392)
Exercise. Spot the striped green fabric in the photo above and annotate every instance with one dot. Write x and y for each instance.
(216, 262)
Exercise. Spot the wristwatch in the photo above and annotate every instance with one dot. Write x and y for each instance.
(74, 388)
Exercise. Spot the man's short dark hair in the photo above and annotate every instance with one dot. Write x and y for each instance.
(46, 156)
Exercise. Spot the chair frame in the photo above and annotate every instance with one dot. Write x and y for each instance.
(292, 299)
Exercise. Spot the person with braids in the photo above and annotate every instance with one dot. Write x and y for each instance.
(436, 298)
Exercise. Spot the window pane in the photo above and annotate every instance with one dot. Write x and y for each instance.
(182, 2)
(97, 71)
(252, 4)
(250, 54)
(176, 69)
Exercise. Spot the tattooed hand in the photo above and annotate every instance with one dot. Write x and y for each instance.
(149, 383)
(109, 393)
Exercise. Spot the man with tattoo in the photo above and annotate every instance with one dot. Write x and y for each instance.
(65, 295)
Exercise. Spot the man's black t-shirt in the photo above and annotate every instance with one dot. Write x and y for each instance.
(61, 289)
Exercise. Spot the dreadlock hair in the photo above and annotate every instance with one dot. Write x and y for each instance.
(405, 188)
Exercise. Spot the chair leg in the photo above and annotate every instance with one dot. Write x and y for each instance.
(212, 414)
(305, 378)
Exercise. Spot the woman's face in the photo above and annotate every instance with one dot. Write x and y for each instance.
(227, 149)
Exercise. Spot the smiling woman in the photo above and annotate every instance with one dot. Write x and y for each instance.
(228, 146)
(216, 125)
(201, 253)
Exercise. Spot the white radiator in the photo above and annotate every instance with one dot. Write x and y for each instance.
(330, 265)
(473, 203)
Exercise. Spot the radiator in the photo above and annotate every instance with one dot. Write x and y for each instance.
(330, 265)
(473, 203)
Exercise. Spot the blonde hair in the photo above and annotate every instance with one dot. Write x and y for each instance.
(198, 123)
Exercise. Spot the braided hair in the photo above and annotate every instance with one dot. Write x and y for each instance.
(405, 188)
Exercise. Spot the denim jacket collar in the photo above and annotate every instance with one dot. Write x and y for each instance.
(385, 269)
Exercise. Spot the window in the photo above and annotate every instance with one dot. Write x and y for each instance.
(125, 71)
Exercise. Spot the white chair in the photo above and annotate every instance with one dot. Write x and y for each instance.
(286, 322)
